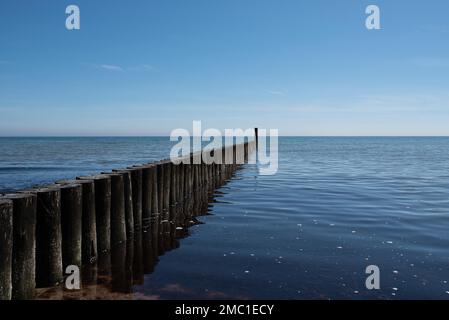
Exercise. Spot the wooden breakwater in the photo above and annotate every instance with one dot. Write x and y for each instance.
(80, 222)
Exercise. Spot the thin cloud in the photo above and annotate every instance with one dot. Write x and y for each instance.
(117, 68)
(276, 92)
(143, 67)
(110, 67)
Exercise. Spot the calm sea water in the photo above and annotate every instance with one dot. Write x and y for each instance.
(335, 206)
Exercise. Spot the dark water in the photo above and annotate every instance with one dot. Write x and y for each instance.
(336, 206)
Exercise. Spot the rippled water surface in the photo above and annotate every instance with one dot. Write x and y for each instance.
(335, 206)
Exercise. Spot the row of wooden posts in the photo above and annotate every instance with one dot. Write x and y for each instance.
(44, 230)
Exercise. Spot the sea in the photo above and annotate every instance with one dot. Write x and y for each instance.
(336, 207)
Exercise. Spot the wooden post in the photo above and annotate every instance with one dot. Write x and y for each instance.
(160, 186)
(182, 177)
(188, 182)
(129, 201)
(118, 217)
(195, 189)
(173, 184)
(166, 204)
(103, 210)
(48, 237)
(129, 214)
(211, 177)
(89, 250)
(223, 166)
(71, 222)
(24, 246)
(256, 134)
(136, 177)
(89, 224)
(167, 181)
(147, 185)
(187, 190)
(155, 205)
(5, 249)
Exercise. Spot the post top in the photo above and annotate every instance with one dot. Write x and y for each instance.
(95, 177)
(5, 201)
(14, 196)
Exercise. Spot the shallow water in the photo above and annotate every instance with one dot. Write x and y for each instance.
(336, 206)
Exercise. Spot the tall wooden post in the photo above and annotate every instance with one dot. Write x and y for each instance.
(5, 249)
(103, 210)
(23, 276)
(48, 236)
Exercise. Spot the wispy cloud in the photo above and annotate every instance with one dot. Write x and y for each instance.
(276, 92)
(143, 67)
(117, 68)
(110, 67)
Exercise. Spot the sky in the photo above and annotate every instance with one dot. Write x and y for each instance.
(146, 67)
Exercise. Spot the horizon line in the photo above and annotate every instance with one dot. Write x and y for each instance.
(281, 136)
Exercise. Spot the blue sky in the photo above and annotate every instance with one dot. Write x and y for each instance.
(145, 67)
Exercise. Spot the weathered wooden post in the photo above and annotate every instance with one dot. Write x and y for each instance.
(223, 166)
(160, 186)
(48, 236)
(118, 217)
(195, 189)
(187, 188)
(89, 224)
(166, 204)
(136, 177)
(172, 202)
(211, 177)
(167, 181)
(147, 186)
(71, 222)
(173, 185)
(177, 167)
(89, 250)
(23, 276)
(6, 249)
(182, 178)
(103, 210)
(129, 201)
(180, 183)
(155, 205)
(236, 157)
